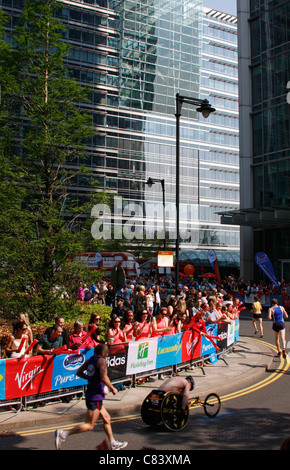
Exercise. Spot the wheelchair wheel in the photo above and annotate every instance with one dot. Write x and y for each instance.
(212, 405)
(150, 412)
(173, 416)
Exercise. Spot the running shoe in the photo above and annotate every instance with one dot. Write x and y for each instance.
(116, 445)
(59, 438)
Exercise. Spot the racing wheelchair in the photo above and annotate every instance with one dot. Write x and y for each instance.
(166, 407)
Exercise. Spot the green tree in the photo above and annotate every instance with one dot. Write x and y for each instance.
(43, 134)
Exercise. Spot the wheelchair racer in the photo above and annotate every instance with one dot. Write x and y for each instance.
(179, 384)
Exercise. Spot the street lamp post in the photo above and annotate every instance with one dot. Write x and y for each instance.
(150, 182)
(205, 108)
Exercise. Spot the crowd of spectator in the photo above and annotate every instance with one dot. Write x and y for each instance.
(143, 308)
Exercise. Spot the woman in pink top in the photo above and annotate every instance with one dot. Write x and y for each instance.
(117, 337)
(129, 325)
(160, 324)
(143, 328)
(116, 334)
(175, 323)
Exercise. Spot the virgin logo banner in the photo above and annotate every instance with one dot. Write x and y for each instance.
(28, 376)
(191, 345)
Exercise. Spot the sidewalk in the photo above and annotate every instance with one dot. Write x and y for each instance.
(246, 363)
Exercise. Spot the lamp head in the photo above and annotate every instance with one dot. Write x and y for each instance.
(150, 182)
(205, 109)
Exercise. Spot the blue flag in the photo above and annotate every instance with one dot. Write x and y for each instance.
(264, 263)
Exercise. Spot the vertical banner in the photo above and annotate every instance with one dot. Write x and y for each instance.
(263, 261)
(214, 263)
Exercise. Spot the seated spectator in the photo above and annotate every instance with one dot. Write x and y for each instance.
(129, 325)
(48, 343)
(143, 328)
(76, 339)
(65, 336)
(95, 321)
(23, 317)
(18, 339)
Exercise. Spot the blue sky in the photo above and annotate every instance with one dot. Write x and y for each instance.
(226, 6)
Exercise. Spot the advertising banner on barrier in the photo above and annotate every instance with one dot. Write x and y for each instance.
(117, 361)
(25, 377)
(231, 333)
(222, 332)
(65, 367)
(191, 344)
(2, 379)
(142, 356)
(169, 351)
(207, 347)
(237, 330)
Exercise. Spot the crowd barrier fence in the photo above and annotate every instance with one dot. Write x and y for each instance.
(26, 381)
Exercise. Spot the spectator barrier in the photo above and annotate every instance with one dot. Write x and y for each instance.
(46, 377)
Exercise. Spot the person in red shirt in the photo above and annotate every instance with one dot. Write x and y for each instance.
(76, 339)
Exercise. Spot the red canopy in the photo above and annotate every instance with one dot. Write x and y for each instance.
(208, 275)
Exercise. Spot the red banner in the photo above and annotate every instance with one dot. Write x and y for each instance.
(28, 376)
(191, 344)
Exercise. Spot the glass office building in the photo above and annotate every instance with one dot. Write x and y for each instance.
(136, 55)
(264, 59)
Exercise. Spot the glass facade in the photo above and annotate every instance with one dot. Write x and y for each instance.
(268, 152)
(219, 153)
(270, 41)
(136, 55)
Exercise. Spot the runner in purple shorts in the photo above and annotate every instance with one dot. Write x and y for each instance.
(94, 370)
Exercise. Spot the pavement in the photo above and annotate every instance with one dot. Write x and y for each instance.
(246, 363)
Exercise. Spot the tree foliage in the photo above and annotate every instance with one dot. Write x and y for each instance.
(42, 142)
